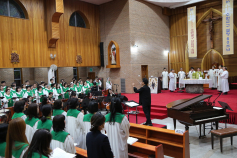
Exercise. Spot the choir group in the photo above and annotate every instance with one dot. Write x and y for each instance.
(29, 136)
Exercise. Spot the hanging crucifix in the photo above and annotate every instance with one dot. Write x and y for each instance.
(211, 29)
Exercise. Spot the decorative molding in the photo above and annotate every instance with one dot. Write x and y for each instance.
(14, 57)
(223, 62)
(79, 59)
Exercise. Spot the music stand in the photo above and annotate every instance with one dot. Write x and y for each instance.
(132, 104)
(225, 105)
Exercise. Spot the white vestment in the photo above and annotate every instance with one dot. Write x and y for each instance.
(224, 81)
(219, 88)
(190, 74)
(181, 76)
(165, 79)
(175, 80)
(172, 82)
(118, 134)
(30, 131)
(108, 85)
(212, 76)
(67, 146)
(75, 127)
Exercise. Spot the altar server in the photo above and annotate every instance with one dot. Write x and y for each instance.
(117, 129)
(219, 88)
(212, 76)
(92, 108)
(190, 73)
(18, 109)
(172, 81)
(57, 108)
(108, 84)
(74, 124)
(98, 145)
(60, 138)
(40, 145)
(181, 76)
(175, 80)
(32, 113)
(164, 76)
(224, 81)
(17, 143)
(45, 122)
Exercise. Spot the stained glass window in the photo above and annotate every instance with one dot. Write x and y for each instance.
(11, 8)
(77, 20)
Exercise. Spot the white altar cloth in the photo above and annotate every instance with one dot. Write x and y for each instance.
(197, 81)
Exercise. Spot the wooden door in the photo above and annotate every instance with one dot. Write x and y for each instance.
(91, 75)
(144, 69)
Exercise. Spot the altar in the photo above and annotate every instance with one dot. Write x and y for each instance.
(195, 85)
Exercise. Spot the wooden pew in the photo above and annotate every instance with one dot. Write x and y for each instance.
(174, 144)
(137, 150)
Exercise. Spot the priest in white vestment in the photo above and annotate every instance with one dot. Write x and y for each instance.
(190, 73)
(219, 88)
(181, 75)
(164, 76)
(175, 80)
(212, 75)
(172, 81)
(224, 81)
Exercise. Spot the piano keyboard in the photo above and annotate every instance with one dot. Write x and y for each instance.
(212, 118)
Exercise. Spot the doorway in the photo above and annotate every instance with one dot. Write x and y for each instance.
(91, 75)
(144, 69)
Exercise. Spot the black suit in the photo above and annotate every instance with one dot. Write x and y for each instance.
(94, 88)
(98, 145)
(145, 101)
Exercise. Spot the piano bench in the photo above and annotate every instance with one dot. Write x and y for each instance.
(223, 133)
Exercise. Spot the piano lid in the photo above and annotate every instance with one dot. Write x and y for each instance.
(191, 101)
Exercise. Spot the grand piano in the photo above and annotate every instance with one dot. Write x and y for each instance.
(196, 111)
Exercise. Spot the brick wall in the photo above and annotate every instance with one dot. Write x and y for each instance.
(7, 75)
(28, 74)
(65, 73)
(41, 74)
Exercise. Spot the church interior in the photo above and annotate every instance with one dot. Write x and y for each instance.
(99, 50)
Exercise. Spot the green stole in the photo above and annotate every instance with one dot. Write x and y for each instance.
(13, 92)
(59, 91)
(34, 90)
(73, 112)
(87, 82)
(57, 112)
(30, 93)
(2, 147)
(73, 88)
(66, 94)
(49, 90)
(78, 88)
(19, 95)
(87, 89)
(45, 125)
(37, 155)
(20, 147)
(90, 84)
(10, 102)
(17, 114)
(24, 90)
(118, 117)
(59, 136)
(2, 93)
(40, 94)
(31, 122)
(4, 88)
(87, 117)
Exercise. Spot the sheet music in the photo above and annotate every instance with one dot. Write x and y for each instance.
(131, 140)
(61, 153)
(131, 104)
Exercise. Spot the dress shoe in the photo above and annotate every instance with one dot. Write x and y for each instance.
(149, 125)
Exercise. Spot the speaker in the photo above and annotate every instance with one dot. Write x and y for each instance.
(102, 54)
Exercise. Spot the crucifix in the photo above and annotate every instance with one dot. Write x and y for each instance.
(211, 31)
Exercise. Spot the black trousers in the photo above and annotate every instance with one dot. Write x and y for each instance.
(147, 111)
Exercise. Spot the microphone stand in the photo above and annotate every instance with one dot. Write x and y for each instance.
(116, 88)
(214, 103)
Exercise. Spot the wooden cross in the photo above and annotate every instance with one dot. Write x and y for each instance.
(211, 30)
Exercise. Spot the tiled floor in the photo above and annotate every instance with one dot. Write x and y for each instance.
(201, 148)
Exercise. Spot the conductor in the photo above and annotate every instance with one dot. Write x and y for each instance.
(144, 99)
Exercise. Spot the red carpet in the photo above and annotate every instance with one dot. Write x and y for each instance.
(159, 102)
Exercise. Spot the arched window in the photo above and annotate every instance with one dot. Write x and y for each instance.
(12, 9)
(78, 20)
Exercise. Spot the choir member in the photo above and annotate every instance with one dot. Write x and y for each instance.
(50, 98)
(19, 93)
(65, 89)
(39, 95)
(32, 118)
(3, 135)
(51, 82)
(3, 83)
(164, 76)
(108, 84)
(74, 122)
(74, 83)
(57, 108)
(18, 109)
(190, 73)
(172, 81)
(13, 90)
(17, 143)
(28, 92)
(181, 76)
(145, 99)
(92, 108)
(117, 129)
(40, 145)
(24, 89)
(224, 81)
(2, 91)
(78, 88)
(58, 93)
(85, 88)
(8, 101)
(35, 89)
(27, 83)
(62, 83)
(88, 80)
(72, 87)
(219, 88)
(98, 145)
(91, 83)
(45, 122)
(60, 138)
(212, 75)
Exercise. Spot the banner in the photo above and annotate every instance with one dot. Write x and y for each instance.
(192, 34)
(227, 27)
(153, 84)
